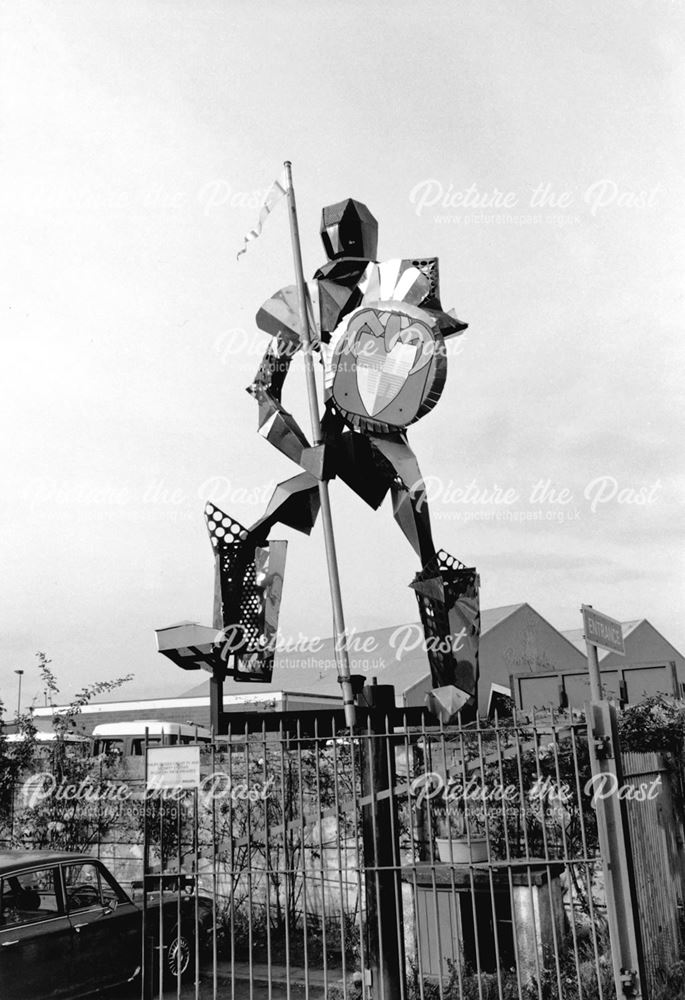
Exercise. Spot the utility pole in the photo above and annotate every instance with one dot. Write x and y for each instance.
(21, 674)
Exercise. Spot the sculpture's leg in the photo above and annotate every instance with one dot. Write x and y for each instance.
(249, 572)
(446, 591)
(409, 500)
(294, 502)
(448, 596)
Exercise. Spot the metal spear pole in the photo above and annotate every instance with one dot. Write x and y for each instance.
(340, 637)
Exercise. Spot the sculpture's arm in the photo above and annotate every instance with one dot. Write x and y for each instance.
(275, 423)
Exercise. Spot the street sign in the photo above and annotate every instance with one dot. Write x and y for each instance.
(602, 631)
(173, 767)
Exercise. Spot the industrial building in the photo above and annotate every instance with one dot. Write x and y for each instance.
(521, 654)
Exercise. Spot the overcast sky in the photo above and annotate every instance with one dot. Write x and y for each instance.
(536, 149)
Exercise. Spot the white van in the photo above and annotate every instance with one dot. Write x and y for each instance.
(128, 738)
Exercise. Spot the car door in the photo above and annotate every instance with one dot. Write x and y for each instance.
(35, 937)
(105, 927)
(124, 927)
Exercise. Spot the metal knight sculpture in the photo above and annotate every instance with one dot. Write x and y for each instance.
(379, 330)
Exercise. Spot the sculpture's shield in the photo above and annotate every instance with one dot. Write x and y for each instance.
(388, 366)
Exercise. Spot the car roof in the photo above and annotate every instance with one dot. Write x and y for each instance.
(13, 861)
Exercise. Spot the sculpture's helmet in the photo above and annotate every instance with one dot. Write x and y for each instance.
(348, 229)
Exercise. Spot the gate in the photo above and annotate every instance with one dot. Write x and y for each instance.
(398, 862)
(656, 835)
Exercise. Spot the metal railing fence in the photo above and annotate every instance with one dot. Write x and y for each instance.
(398, 863)
(395, 862)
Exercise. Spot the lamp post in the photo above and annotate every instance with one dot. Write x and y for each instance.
(20, 673)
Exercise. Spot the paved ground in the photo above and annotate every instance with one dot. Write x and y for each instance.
(242, 992)
(251, 983)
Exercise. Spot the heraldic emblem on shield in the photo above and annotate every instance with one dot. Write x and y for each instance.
(388, 360)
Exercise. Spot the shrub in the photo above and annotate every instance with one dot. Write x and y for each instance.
(51, 822)
(655, 724)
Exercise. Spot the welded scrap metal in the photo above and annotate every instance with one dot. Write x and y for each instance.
(448, 598)
(249, 573)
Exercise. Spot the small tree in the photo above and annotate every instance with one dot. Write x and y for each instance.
(15, 759)
(46, 818)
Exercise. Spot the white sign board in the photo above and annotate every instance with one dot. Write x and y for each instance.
(601, 630)
(173, 767)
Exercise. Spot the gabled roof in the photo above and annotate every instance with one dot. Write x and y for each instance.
(491, 617)
(394, 655)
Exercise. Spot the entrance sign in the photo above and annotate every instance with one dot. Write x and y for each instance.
(602, 631)
(173, 767)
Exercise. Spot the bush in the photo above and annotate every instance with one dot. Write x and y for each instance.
(579, 983)
(52, 822)
(655, 724)
(352, 990)
(252, 938)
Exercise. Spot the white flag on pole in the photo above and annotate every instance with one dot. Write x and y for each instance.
(273, 196)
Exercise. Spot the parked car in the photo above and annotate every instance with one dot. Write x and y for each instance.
(68, 929)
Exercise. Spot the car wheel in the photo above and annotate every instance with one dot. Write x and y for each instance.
(179, 957)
